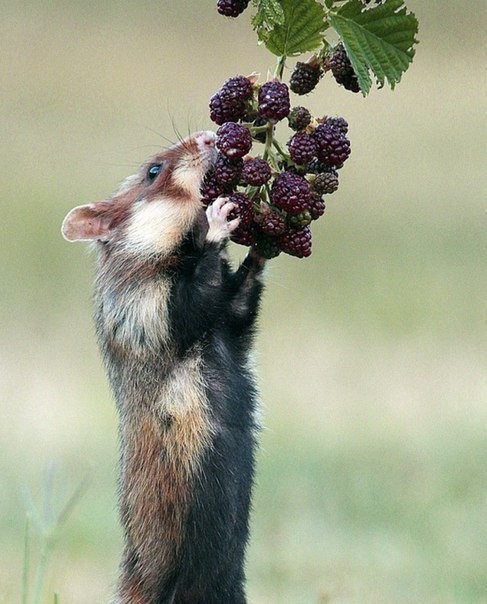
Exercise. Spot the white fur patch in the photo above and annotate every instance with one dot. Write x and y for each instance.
(137, 318)
(158, 226)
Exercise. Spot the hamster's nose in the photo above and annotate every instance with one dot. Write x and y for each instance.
(207, 138)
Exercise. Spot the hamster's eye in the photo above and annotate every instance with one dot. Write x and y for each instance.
(154, 170)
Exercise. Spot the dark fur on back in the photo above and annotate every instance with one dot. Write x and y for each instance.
(176, 339)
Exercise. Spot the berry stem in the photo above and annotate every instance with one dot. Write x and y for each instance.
(281, 63)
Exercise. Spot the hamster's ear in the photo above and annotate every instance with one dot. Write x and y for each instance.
(85, 223)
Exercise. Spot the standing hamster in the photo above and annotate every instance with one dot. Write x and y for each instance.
(175, 325)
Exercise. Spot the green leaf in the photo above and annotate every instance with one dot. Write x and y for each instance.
(301, 30)
(380, 39)
(269, 13)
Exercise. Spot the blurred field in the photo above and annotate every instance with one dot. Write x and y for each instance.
(371, 356)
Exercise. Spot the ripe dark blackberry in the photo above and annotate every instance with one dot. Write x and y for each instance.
(302, 148)
(225, 110)
(244, 234)
(342, 69)
(304, 78)
(229, 104)
(231, 8)
(299, 118)
(326, 182)
(270, 220)
(316, 207)
(233, 140)
(256, 172)
(210, 188)
(267, 246)
(316, 166)
(296, 242)
(238, 87)
(274, 101)
(244, 208)
(228, 171)
(333, 146)
(338, 122)
(300, 220)
(290, 192)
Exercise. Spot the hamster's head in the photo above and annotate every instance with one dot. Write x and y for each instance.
(153, 209)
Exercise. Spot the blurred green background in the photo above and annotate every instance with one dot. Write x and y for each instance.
(371, 354)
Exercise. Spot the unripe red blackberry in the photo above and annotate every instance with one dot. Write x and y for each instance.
(274, 101)
(231, 8)
(210, 188)
(299, 118)
(300, 220)
(233, 140)
(244, 208)
(267, 246)
(338, 122)
(333, 146)
(326, 182)
(296, 242)
(270, 220)
(316, 207)
(290, 192)
(342, 69)
(302, 148)
(227, 171)
(244, 234)
(304, 78)
(256, 172)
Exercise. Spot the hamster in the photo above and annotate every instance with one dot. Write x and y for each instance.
(175, 326)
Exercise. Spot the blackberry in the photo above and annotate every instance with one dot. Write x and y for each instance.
(233, 140)
(256, 172)
(290, 192)
(316, 207)
(326, 182)
(338, 122)
(267, 246)
(299, 118)
(304, 78)
(244, 234)
(238, 87)
(342, 69)
(270, 220)
(300, 220)
(333, 146)
(231, 8)
(229, 104)
(296, 242)
(302, 148)
(274, 102)
(244, 208)
(316, 166)
(228, 171)
(225, 110)
(210, 188)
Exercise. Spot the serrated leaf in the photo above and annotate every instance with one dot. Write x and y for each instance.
(301, 30)
(269, 13)
(380, 39)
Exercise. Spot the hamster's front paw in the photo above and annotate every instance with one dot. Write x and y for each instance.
(219, 225)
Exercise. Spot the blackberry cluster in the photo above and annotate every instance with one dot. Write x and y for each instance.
(277, 195)
(231, 8)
